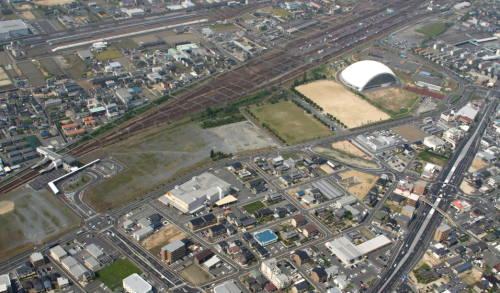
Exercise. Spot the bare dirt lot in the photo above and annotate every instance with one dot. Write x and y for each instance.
(345, 158)
(242, 136)
(195, 275)
(6, 206)
(357, 183)
(349, 148)
(164, 236)
(161, 154)
(341, 103)
(392, 100)
(29, 217)
(477, 164)
(410, 132)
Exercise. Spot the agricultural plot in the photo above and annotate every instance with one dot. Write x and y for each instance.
(289, 122)
(342, 103)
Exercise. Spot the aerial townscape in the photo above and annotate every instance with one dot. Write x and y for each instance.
(249, 146)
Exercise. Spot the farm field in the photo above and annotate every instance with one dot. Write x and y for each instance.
(113, 274)
(341, 103)
(358, 183)
(289, 122)
(394, 101)
(29, 218)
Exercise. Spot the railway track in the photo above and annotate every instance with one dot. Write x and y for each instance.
(235, 84)
(275, 67)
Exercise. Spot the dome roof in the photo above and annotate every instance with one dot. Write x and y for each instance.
(358, 75)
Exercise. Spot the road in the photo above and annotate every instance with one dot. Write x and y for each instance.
(427, 219)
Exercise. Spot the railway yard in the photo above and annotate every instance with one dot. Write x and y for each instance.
(227, 146)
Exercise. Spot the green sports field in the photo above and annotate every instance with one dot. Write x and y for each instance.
(289, 122)
(113, 275)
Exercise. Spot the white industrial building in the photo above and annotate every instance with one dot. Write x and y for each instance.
(143, 233)
(273, 273)
(195, 193)
(227, 287)
(5, 284)
(367, 74)
(350, 253)
(13, 28)
(136, 284)
(433, 142)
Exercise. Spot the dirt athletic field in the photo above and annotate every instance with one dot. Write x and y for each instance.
(341, 103)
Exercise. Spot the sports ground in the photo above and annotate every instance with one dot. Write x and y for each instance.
(341, 103)
(289, 122)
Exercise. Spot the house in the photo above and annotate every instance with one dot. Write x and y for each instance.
(300, 257)
(298, 221)
(310, 230)
(319, 275)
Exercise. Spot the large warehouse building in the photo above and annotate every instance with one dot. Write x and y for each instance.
(349, 253)
(367, 74)
(197, 192)
(13, 28)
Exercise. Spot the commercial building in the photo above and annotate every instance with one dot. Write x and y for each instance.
(349, 253)
(143, 233)
(227, 287)
(273, 273)
(136, 284)
(442, 232)
(265, 237)
(173, 251)
(195, 193)
(5, 284)
(13, 28)
(433, 142)
(367, 74)
(37, 259)
(57, 253)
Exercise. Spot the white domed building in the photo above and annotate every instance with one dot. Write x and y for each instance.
(367, 74)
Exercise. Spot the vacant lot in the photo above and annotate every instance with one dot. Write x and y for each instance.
(434, 158)
(345, 158)
(195, 275)
(349, 148)
(394, 101)
(29, 218)
(341, 103)
(358, 183)
(242, 136)
(113, 275)
(109, 54)
(410, 132)
(4, 78)
(164, 236)
(289, 122)
(155, 157)
(477, 164)
(251, 208)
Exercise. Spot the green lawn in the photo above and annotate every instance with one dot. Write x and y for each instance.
(432, 157)
(289, 122)
(108, 54)
(113, 274)
(433, 30)
(251, 208)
